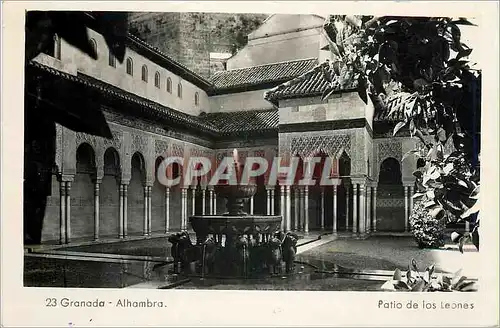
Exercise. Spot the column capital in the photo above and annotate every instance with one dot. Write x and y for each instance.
(360, 181)
(125, 182)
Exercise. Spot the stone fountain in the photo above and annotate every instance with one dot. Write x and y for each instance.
(235, 243)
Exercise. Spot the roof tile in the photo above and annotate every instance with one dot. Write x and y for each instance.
(261, 74)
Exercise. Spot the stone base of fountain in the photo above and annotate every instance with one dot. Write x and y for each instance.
(235, 244)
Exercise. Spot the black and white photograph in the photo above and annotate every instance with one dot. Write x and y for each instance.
(236, 150)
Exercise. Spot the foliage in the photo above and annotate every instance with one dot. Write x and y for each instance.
(427, 281)
(422, 63)
(427, 228)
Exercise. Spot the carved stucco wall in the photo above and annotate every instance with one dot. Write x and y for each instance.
(395, 147)
(333, 143)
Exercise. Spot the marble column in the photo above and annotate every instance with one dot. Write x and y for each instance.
(296, 208)
(406, 207)
(412, 191)
(288, 213)
(146, 203)
(183, 208)
(273, 208)
(334, 227)
(347, 193)
(167, 209)
(193, 200)
(121, 211)
(211, 200)
(306, 209)
(96, 210)
(251, 205)
(322, 213)
(203, 200)
(268, 208)
(369, 209)
(362, 212)
(374, 217)
(125, 210)
(150, 218)
(62, 212)
(282, 207)
(68, 212)
(355, 208)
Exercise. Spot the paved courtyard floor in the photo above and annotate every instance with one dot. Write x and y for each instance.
(324, 263)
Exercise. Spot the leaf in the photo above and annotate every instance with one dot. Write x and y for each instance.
(467, 286)
(396, 275)
(388, 285)
(475, 238)
(457, 277)
(414, 265)
(362, 90)
(417, 195)
(474, 209)
(433, 213)
(408, 153)
(429, 204)
(455, 236)
(430, 269)
(401, 285)
(463, 21)
(398, 127)
(464, 53)
(448, 168)
(430, 194)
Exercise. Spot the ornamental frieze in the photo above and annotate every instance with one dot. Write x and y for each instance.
(331, 145)
(389, 149)
(161, 147)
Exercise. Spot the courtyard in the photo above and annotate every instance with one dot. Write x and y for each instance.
(323, 263)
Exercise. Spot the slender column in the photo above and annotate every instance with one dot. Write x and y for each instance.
(282, 207)
(193, 202)
(183, 208)
(369, 209)
(406, 207)
(334, 228)
(150, 218)
(211, 200)
(145, 223)
(362, 203)
(412, 191)
(296, 208)
(203, 200)
(288, 203)
(355, 208)
(167, 209)
(68, 211)
(322, 208)
(347, 193)
(302, 212)
(96, 210)
(273, 209)
(306, 209)
(374, 217)
(62, 213)
(251, 205)
(121, 211)
(215, 202)
(268, 191)
(125, 210)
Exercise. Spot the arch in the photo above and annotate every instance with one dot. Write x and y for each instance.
(196, 98)
(109, 222)
(157, 201)
(390, 172)
(144, 73)
(82, 194)
(130, 66)
(390, 196)
(93, 44)
(169, 85)
(179, 90)
(111, 59)
(135, 210)
(157, 79)
(85, 159)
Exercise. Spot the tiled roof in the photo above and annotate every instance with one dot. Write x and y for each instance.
(251, 120)
(393, 103)
(216, 123)
(110, 90)
(276, 72)
(311, 83)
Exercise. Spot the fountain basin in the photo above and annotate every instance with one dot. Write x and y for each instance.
(205, 225)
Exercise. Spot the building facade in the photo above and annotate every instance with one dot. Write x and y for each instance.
(266, 104)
